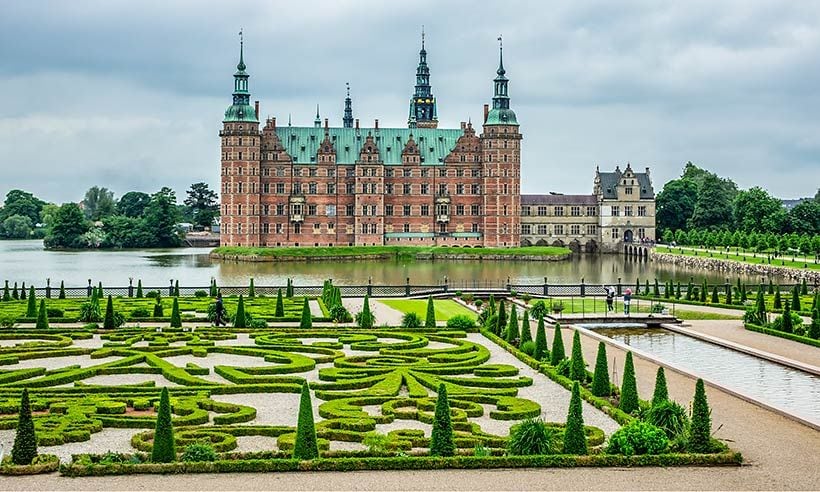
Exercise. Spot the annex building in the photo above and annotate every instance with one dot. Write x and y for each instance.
(323, 185)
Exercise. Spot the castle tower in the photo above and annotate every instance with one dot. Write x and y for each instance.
(501, 142)
(347, 120)
(423, 112)
(240, 165)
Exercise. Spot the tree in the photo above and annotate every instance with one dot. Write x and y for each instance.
(629, 387)
(109, 323)
(526, 333)
(787, 325)
(203, 203)
(700, 433)
(661, 393)
(804, 218)
(501, 323)
(16, 227)
(31, 308)
(755, 210)
(98, 203)
(42, 316)
(441, 440)
(306, 446)
(715, 298)
(164, 449)
(280, 306)
(577, 366)
(778, 303)
(139, 289)
(24, 449)
(575, 440)
(541, 349)
(69, 225)
(161, 218)
(557, 347)
(796, 298)
(239, 320)
(713, 207)
(675, 204)
(430, 319)
(512, 326)
(814, 328)
(366, 318)
(306, 322)
(176, 320)
(600, 378)
(19, 202)
(133, 204)
(61, 295)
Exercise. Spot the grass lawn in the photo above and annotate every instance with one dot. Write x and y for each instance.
(698, 315)
(445, 308)
(397, 251)
(761, 258)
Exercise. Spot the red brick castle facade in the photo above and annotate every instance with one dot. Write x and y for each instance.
(352, 185)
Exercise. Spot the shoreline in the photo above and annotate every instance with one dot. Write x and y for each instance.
(308, 254)
(733, 266)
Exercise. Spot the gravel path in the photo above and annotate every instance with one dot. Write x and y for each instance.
(384, 315)
(108, 439)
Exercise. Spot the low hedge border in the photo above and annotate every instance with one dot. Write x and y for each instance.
(405, 463)
(45, 463)
(782, 334)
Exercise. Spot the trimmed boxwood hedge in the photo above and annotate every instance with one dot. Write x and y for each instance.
(782, 334)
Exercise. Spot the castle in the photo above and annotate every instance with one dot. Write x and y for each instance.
(421, 185)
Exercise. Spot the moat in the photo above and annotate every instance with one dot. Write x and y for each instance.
(27, 261)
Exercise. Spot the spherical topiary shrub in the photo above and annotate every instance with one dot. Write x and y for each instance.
(638, 438)
(199, 451)
(461, 322)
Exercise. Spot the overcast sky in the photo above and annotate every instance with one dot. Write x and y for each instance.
(130, 95)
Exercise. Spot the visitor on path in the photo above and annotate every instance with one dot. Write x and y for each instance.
(610, 299)
(627, 300)
(220, 311)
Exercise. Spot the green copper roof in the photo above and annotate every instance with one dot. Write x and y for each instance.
(501, 117)
(302, 143)
(240, 112)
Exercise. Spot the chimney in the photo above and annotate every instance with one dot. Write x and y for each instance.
(377, 124)
(273, 122)
(463, 126)
(325, 123)
(486, 112)
(357, 123)
(256, 108)
(647, 171)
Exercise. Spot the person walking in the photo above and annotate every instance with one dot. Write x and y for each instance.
(610, 299)
(220, 310)
(627, 300)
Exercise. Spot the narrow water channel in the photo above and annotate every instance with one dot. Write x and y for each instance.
(790, 390)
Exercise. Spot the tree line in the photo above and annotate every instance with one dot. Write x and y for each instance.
(135, 220)
(703, 201)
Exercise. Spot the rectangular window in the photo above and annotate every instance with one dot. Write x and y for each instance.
(542, 211)
(592, 211)
(559, 211)
(349, 210)
(628, 211)
(407, 210)
(425, 189)
(425, 173)
(475, 189)
(331, 173)
(408, 173)
(628, 191)
(460, 172)
(460, 189)
(311, 209)
(559, 230)
(312, 188)
(388, 188)
(614, 233)
(641, 232)
(350, 188)
(475, 210)
(388, 210)
(351, 172)
(331, 188)
(280, 209)
(526, 229)
(642, 211)
(575, 211)
(317, 228)
(312, 172)
(474, 227)
(442, 173)
(459, 209)
(406, 188)
(278, 228)
(525, 211)
(406, 228)
(543, 229)
(592, 229)
(442, 189)
(330, 210)
(575, 229)
(388, 173)
(425, 210)
(476, 173)
(616, 211)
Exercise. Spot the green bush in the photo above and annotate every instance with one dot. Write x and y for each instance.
(541, 349)
(152, 294)
(669, 416)
(42, 316)
(201, 293)
(557, 354)
(538, 309)
(787, 322)
(339, 314)
(280, 306)
(528, 348)
(629, 387)
(199, 451)
(108, 320)
(307, 320)
(575, 439)
(365, 318)
(55, 313)
(577, 368)
(600, 379)
(638, 438)
(461, 322)
(239, 320)
(158, 308)
(164, 449)
(411, 320)
(661, 393)
(24, 449)
(377, 443)
(430, 319)
(441, 440)
(306, 446)
(31, 309)
(512, 334)
(534, 437)
(140, 313)
(700, 435)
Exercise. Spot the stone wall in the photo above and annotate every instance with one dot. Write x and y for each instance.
(387, 256)
(723, 265)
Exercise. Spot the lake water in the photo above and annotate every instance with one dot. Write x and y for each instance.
(27, 261)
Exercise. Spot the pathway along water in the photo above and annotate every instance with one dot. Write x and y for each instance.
(793, 391)
(27, 261)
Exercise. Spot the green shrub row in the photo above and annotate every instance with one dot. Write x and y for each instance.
(782, 334)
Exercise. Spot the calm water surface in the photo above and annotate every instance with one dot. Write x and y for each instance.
(794, 391)
(27, 261)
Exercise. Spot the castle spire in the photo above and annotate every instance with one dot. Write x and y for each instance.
(241, 109)
(423, 104)
(318, 121)
(501, 114)
(347, 120)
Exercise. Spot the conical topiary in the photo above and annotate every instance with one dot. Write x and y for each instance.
(139, 289)
(787, 326)
(577, 366)
(715, 297)
(31, 308)
(526, 333)
(280, 305)
(6, 295)
(289, 289)
(656, 292)
(99, 290)
(251, 290)
(661, 393)
(61, 295)
(306, 322)
(430, 319)
(760, 306)
(176, 288)
(804, 288)
(771, 287)
(239, 320)
(512, 333)
(441, 441)
(306, 446)
(14, 294)
(629, 388)
(164, 449)
(23, 292)
(728, 294)
(600, 378)
(176, 320)
(24, 449)
(796, 298)
(704, 288)
(814, 327)
(365, 317)
(501, 321)
(541, 348)
(575, 441)
(158, 309)
(778, 303)
(557, 354)
(42, 316)
(677, 291)
(700, 431)
(108, 320)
